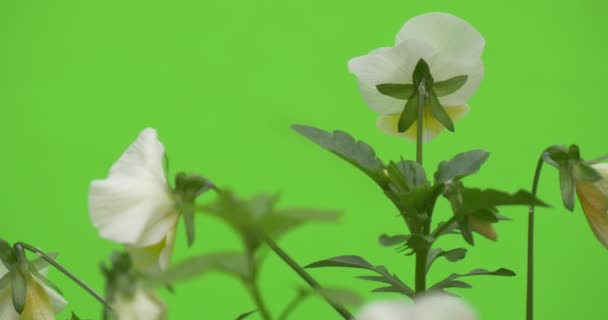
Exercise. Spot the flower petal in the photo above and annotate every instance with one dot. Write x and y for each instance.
(388, 65)
(133, 204)
(387, 310)
(155, 258)
(445, 32)
(484, 228)
(443, 307)
(432, 127)
(594, 200)
(143, 305)
(38, 302)
(444, 69)
(7, 311)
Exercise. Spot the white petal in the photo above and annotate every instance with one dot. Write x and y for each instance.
(445, 32)
(594, 200)
(38, 303)
(134, 204)
(443, 307)
(144, 305)
(444, 68)
(387, 310)
(155, 258)
(388, 65)
(7, 311)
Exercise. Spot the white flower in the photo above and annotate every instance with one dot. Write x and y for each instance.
(429, 307)
(134, 206)
(449, 45)
(142, 305)
(594, 200)
(41, 302)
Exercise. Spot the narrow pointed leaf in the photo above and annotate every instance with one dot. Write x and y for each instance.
(350, 261)
(389, 241)
(396, 90)
(439, 112)
(477, 199)
(409, 115)
(449, 281)
(461, 165)
(449, 86)
(245, 315)
(453, 255)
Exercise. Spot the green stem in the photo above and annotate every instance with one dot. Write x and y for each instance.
(421, 255)
(530, 276)
(292, 306)
(52, 262)
(254, 288)
(305, 276)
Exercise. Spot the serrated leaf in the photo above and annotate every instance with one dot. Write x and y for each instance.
(449, 86)
(232, 263)
(439, 112)
(476, 199)
(245, 315)
(396, 90)
(409, 115)
(461, 165)
(389, 241)
(349, 261)
(502, 272)
(358, 153)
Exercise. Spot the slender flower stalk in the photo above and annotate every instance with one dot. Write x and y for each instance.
(420, 281)
(530, 275)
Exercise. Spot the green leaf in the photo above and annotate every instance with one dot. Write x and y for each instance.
(476, 199)
(453, 255)
(389, 241)
(349, 261)
(281, 221)
(74, 317)
(407, 175)
(409, 115)
(439, 112)
(337, 295)
(391, 281)
(358, 153)
(246, 314)
(396, 90)
(566, 185)
(448, 282)
(231, 263)
(449, 86)
(585, 172)
(462, 165)
(19, 289)
(419, 242)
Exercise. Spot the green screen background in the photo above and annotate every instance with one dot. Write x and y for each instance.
(222, 81)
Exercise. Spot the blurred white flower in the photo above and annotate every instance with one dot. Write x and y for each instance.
(449, 45)
(41, 302)
(134, 206)
(142, 305)
(428, 307)
(594, 200)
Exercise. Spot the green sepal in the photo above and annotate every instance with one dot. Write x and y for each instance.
(449, 86)
(7, 254)
(556, 155)
(396, 90)
(190, 227)
(409, 114)
(585, 172)
(19, 288)
(422, 74)
(461, 165)
(439, 112)
(567, 186)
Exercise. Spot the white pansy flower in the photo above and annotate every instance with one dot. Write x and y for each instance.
(41, 302)
(429, 307)
(142, 305)
(451, 48)
(134, 206)
(594, 200)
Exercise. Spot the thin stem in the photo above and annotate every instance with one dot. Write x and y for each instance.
(52, 262)
(254, 288)
(421, 255)
(292, 306)
(530, 276)
(305, 276)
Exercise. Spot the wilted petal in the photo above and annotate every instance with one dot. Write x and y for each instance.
(41, 303)
(445, 32)
(484, 228)
(155, 258)
(432, 127)
(134, 205)
(388, 65)
(7, 311)
(143, 305)
(594, 200)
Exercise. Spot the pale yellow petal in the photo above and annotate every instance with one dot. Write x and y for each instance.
(432, 127)
(7, 311)
(37, 303)
(595, 206)
(155, 258)
(484, 228)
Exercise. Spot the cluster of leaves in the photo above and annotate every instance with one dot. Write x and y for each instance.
(254, 220)
(406, 184)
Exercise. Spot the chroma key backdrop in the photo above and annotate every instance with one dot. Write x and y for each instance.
(199, 224)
